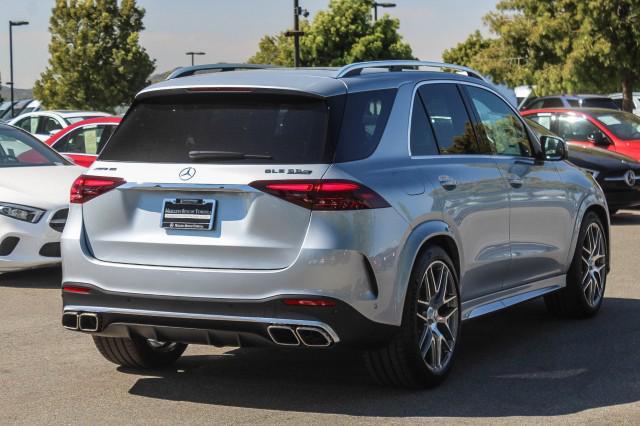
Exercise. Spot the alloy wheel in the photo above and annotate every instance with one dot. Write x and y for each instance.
(594, 263)
(438, 317)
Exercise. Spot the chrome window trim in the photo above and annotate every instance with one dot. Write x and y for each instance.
(466, 83)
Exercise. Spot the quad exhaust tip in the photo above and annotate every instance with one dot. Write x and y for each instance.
(285, 335)
(85, 321)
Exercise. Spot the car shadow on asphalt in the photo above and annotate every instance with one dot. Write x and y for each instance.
(520, 362)
(625, 218)
(45, 278)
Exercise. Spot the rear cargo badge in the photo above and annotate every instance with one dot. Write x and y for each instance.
(187, 173)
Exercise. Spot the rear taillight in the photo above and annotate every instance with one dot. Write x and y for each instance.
(323, 194)
(87, 187)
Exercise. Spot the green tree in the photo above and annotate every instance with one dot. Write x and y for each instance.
(342, 34)
(560, 46)
(96, 59)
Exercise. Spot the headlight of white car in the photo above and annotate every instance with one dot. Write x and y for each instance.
(20, 212)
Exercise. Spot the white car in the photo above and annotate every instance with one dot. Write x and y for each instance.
(635, 96)
(44, 124)
(34, 198)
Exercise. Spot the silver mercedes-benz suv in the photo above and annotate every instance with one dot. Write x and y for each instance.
(376, 206)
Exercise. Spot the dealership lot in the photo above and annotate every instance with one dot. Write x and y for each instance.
(516, 364)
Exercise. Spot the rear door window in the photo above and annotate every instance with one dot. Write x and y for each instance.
(247, 128)
(552, 103)
(85, 140)
(449, 119)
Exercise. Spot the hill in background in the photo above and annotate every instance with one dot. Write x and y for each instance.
(5, 93)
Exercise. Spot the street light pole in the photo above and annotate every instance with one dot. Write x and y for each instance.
(11, 25)
(376, 5)
(192, 54)
(296, 33)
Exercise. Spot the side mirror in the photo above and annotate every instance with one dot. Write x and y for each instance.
(599, 138)
(554, 148)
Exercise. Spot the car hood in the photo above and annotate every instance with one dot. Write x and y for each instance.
(45, 187)
(600, 159)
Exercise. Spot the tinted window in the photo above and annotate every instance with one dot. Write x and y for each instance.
(599, 103)
(449, 119)
(19, 149)
(544, 120)
(503, 129)
(288, 129)
(575, 128)
(624, 125)
(364, 121)
(30, 124)
(422, 139)
(552, 103)
(573, 103)
(86, 140)
(48, 125)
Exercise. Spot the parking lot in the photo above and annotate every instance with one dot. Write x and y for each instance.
(512, 366)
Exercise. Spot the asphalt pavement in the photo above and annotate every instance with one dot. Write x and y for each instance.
(517, 366)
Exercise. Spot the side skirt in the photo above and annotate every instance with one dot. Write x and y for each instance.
(505, 298)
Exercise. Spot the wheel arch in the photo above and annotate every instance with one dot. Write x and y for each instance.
(430, 232)
(603, 215)
(596, 204)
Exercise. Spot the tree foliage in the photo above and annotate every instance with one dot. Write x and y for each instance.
(342, 34)
(96, 59)
(560, 46)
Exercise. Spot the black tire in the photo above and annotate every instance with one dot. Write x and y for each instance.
(138, 352)
(400, 363)
(573, 300)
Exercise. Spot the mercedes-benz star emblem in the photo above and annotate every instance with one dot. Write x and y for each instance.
(187, 173)
(630, 178)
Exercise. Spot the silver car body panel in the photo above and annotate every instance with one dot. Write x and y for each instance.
(511, 245)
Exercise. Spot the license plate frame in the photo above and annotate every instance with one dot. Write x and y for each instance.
(188, 214)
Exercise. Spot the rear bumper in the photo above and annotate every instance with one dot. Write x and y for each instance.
(219, 323)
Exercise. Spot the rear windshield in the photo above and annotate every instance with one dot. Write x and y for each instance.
(259, 128)
(251, 128)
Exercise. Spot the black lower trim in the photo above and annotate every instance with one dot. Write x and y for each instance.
(50, 250)
(8, 245)
(352, 328)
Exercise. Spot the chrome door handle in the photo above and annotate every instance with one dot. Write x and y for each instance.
(447, 182)
(515, 181)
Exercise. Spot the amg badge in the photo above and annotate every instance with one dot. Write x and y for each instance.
(289, 171)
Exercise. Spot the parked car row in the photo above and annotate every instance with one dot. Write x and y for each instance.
(19, 107)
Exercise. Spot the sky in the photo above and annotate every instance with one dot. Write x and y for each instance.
(229, 30)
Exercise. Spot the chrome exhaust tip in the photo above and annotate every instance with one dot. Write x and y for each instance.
(70, 320)
(313, 337)
(88, 322)
(283, 335)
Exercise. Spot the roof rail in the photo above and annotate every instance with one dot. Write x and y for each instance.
(399, 65)
(195, 69)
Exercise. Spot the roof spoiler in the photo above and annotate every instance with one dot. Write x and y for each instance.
(221, 67)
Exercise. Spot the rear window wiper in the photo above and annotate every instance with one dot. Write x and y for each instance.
(226, 155)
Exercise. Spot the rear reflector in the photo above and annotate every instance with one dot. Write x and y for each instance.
(323, 194)
(75, 289)
(87, 187)
(309, 302)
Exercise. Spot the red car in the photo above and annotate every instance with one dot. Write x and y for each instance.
(603, 128)
(83, 141)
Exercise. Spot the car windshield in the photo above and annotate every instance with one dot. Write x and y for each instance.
(624, 125)
(19, 149)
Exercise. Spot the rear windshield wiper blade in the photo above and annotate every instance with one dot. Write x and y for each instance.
(226, 155)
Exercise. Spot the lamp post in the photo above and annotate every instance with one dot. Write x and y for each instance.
(296, 33)
(192, 54)
(11, 25)
(376, 5)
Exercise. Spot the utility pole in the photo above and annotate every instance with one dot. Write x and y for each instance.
(296, 33)
(11, 25)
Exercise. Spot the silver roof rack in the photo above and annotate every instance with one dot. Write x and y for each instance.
(399, 65)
